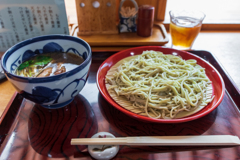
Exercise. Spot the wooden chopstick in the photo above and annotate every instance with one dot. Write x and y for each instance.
(202, 140)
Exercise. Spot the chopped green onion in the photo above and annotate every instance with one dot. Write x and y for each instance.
(41, 60)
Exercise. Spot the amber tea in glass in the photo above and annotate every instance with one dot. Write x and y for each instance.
(184, 28)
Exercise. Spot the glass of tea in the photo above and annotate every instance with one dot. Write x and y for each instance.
(184, 27)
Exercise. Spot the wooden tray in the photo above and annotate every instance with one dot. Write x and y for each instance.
(158, 38)
(29, 131)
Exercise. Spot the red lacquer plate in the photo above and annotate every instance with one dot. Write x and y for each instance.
(212, 73)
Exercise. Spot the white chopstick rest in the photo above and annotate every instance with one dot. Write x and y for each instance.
(102, 151)
(202, 140)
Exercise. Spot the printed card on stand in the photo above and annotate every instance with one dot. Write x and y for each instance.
(21, 20)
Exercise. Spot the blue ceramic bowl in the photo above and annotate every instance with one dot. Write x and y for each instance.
(54, 91)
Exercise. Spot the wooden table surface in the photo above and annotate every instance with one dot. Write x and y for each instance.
(224, 45)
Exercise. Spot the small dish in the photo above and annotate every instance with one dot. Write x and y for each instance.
(212, 73)
(103, 152)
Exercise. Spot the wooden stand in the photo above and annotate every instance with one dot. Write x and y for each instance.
(104, 18)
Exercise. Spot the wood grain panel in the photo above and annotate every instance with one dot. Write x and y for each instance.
(108, 21)
(99, 20)
(84, 19)
(161, 10)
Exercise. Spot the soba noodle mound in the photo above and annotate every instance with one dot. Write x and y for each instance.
(159, 86)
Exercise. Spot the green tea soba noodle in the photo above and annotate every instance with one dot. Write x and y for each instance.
(159, 86)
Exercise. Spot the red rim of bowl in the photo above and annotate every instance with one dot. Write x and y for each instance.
(126, 53)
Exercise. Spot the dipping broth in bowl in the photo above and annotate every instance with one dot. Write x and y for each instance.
(49, 64)
(48, 70)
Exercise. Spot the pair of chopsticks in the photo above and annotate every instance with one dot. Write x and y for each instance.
(202, 140)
